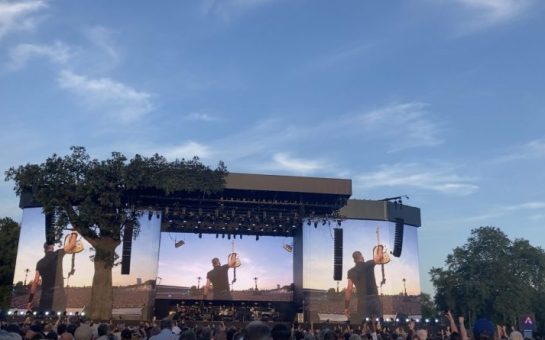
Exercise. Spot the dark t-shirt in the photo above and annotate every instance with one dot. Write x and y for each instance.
(50, 269)
(219, 278)
(363, 276)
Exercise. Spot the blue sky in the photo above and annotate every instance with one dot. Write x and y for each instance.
(439, 100)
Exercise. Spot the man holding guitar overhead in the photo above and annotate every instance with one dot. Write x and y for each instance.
(219, 278)
(362, 275)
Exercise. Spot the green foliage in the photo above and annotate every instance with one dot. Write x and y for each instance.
(492, 276)
(428, 306)
(105, 192)
(9, 239)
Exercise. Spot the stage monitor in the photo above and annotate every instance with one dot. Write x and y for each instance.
(265, 271)
(395, 285)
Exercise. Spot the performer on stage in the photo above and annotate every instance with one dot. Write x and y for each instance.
(362, 275)
(49, 269)
(218, 278)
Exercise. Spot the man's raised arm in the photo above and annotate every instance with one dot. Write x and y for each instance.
(71, 244)
(378, 255)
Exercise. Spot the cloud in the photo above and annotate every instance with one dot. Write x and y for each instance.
(405, 125)
(187, 150)
(487, 13)
(505, 210)
(298, 165)
(200, 116)
(228, 9)
(17, 15)
(531, 150)
(58, 53)
(419, 176)
(121, 101)
(102, 38)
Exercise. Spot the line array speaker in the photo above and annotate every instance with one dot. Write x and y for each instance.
(398, 240)
(338, 254)
(126, 252)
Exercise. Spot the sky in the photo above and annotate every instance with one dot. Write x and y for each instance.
(265, 259)
(144, 253)
(442, 101)
(360, 235)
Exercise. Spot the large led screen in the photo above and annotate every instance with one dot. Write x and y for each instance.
(201, 265)
(73, 274)
(393, 290)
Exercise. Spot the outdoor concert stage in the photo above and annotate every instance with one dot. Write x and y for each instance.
(293, 236)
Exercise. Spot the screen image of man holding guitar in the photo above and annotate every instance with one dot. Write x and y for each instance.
(362, 275)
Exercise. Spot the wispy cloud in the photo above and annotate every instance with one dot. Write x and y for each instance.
(412, 119)
(419, 176)
(121, 101)
(505, 210)
(229, 9)
(297, 165)
(200, 116)
(187, 150)
(58, 53)
(531, 150)
(17, 16)
(102, 38)
(487, 13)
(338, 56)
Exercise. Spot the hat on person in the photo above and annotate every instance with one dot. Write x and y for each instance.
(483, 327)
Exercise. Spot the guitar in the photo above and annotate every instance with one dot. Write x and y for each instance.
(236, 260)
(385, 257)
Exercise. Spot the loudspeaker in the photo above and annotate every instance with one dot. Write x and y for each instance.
(49, 228)
(338, 254)
(398, 240)
(126, 252)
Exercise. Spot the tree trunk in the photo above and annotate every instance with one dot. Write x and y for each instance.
(101, 304)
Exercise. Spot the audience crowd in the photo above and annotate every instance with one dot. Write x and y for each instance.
(78, 328)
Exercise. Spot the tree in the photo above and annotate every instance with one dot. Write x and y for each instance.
(428, 306)
(100, 199)
(492, 276)
(9, 239)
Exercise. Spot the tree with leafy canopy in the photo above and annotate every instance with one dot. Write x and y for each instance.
(99, 199)
(492, 276)
(9, 239)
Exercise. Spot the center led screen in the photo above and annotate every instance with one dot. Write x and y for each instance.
(200, 267)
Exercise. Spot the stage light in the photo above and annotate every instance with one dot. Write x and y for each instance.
(82, 313)
(217, 235)
(323, 222)
(228, 236)
(407, 320)
(397, 320)
(179, 244)
(222, 235)
(315, 224)
(427, 320)
(241, 236)
(10, 312)
(436, 320)
(59, 313)
(200, 235)
(377, 319)
(257, 237)
(339, 222)
(150, 215)
(47, 313)
(417, 320)
(34, 313)
(367, 319)
(288, 248)
(308, 222)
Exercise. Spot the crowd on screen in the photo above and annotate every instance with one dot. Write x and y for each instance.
(76, 327)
